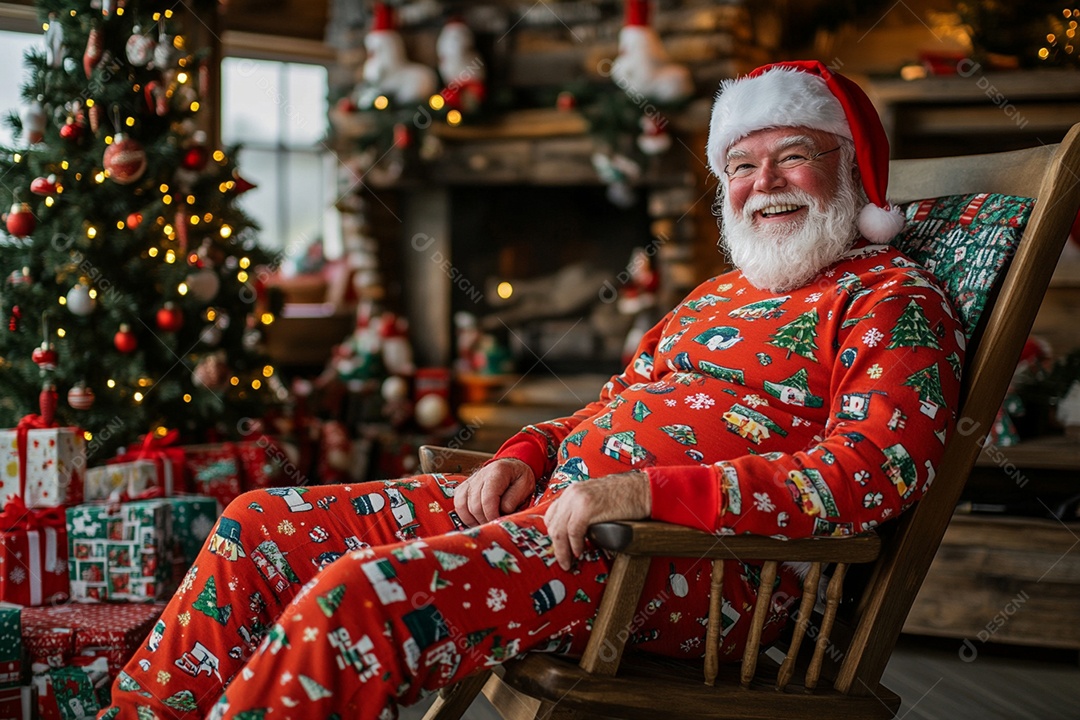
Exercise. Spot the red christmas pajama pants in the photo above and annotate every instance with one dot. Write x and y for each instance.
(345, 601)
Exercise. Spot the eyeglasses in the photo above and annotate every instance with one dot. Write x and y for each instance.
(744, 169)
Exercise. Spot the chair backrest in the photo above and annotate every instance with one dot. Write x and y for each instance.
(1051, 174)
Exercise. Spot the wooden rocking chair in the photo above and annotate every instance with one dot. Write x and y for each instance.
(604, 684)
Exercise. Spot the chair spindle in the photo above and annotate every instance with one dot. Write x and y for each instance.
(761, 612)
(832, 602)
(806, 609)
(712, 637)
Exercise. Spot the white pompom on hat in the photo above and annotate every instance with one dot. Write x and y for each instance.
(807, 94)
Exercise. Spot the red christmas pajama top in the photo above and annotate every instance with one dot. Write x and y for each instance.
(818, 411)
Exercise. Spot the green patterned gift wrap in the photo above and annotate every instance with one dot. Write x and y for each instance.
(193, 517)
(119, 551)
(11, 649)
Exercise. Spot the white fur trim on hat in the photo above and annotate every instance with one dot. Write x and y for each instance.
(776, 98)
(879, 225)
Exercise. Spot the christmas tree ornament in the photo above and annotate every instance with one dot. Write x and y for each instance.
(203, 284)
(44, 185)
(45, 356)
(170, 318)
(95, 45)
(387, 71)
(125, 160)
(133, 220)
(47, 402)
(125, 340)
(195, 158)
(165, 54)
(643, 66)
(13, 321)
(20, 220)
(33, 121)
(80, 397)
(402, 136)
(140, 47)
(79, 300)
(210, 335)
(157, 98)
(183, 221)
(54, 42)
(94, 113)
(461, 68)
(431, 411)
(71, 130)
(211, 371)
(566, 101)
(20, 277)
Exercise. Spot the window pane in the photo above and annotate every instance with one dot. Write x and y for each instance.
(260, 167)
(12, 47)
(303, 200)
(251, 99)
(306, 108)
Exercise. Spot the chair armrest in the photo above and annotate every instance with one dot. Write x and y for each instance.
(653, 538)
(434, 459)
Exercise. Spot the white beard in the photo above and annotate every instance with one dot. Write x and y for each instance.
(788, 255)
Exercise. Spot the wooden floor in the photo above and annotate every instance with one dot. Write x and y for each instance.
(1000, 683)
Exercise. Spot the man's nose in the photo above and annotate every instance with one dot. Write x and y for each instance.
(768, 177)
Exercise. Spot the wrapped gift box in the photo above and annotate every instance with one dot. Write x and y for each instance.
(57, 636)
(11, 648)
(261, 463)
(214, 470)
(33, 555)
(74, 692)
(193, 517)
(18, 703)
(118, 551)
(54, 462)
(131, 478)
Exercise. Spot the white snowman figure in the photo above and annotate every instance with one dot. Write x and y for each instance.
(387, 70)
(460, 67)
(643, 65)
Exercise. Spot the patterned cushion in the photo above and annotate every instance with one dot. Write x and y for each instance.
(965, 240)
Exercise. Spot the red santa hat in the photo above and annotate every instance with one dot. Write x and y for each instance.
(805, 93)
(383, 17)
(637, 13)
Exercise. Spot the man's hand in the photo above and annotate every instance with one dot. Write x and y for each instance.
(624, 496)
(493, 491)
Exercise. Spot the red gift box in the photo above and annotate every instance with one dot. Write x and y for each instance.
(17, 703)
(110, 631)
(33, 554)
(260, 463)
(214, 470)
(169, 460)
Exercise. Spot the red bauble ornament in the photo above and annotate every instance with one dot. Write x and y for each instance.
(125, 160)
(45, 357)
(133, 220)
(95, 44)
(71, 131)
(566, 101)
(402, 136)
(20, 221)
(195, 158)
(80, 397)
(95, 118)
(47, 400)
(44, 185)
(211, 371)
(170, 318)
(13, 321)
(125, 340)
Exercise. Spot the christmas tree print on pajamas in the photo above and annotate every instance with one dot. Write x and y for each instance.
(823, 413)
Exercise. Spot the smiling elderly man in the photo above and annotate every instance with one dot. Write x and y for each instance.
(807, 392)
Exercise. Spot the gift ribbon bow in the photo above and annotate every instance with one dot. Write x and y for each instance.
(17, 516)
(28, 423)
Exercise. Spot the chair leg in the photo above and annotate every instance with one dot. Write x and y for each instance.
(454, 700)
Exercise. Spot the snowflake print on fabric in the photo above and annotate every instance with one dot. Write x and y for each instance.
(874, 371)
(699, 401)
(496, 599)
(670, 403)
(763, 502)
(872, 337)
(755, 400)
(812, 298)
(17, 575)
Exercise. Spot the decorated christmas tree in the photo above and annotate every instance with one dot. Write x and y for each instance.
(128, 270)
(799, 336)
(912, 330)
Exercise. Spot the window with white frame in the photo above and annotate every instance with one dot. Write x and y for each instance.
(13, 47)
(277, 112)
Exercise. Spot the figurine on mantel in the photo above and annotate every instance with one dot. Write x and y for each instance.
(643, 65)
(387, 70)
(461, 67)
